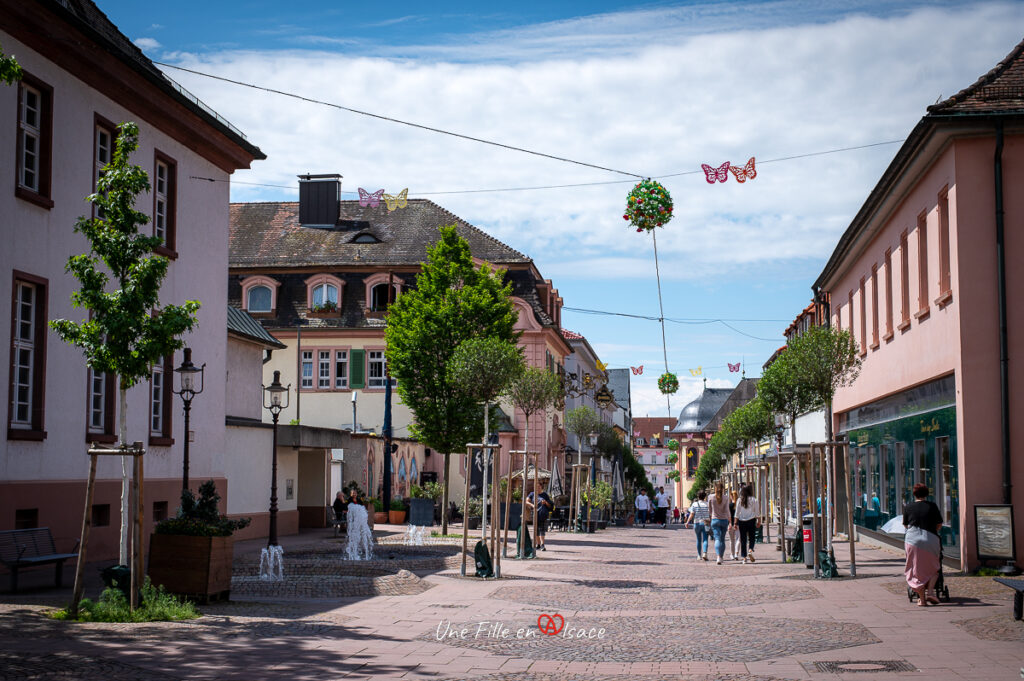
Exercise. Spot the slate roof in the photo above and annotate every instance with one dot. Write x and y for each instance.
(241, 323)
(269, 235)
(698, 415)
(618, 383)
(87, 17)
(1001, 90)
(744, 391)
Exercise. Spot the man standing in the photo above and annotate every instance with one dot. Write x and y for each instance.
(661, 515)
(643, 506)
(544, 505)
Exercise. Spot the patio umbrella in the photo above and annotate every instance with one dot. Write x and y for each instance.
(618, 489)
(555, 487)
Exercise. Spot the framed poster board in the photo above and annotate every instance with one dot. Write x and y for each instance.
(994, 538)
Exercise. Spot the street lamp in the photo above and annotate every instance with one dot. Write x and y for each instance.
(275, 398)
(187, 389)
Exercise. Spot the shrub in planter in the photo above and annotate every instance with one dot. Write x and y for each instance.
(396, 513)
(191, 553)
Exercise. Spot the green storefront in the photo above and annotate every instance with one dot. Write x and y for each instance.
(898, 442)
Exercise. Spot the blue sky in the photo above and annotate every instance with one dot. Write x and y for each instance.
(652, 88)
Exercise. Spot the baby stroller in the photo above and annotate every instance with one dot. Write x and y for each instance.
(941, 590)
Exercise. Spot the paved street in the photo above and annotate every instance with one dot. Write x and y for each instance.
(632, 603)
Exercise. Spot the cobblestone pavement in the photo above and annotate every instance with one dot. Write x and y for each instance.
(665, 616)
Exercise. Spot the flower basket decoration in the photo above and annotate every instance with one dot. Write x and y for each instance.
(648, 205)
(673, 476)
(668, 383)
(672, 458)
(673, 444)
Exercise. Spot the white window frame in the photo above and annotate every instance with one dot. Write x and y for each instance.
(25, 299)
(376, 358)
(341, 372)
(306, 380)
(160, 209)
(270, 299)
(97, 396)
(156, 401)
(31, 136)
(324, 290)
(104, 153)
(323, 370)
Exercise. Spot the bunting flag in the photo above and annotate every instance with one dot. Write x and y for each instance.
(637, 371)
(733, 368)
(696, 372)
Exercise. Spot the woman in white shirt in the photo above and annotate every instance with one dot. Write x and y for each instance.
(747, 520)
(700, 516)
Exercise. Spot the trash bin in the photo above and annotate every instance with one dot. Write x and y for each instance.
(808, 527)
(119, 576)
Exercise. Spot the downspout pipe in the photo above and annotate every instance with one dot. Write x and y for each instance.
(1004, 361)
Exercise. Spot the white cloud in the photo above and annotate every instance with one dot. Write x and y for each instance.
(147, 44)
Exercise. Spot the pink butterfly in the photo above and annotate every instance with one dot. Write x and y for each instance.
(719, 174)
(745, 173)
(733, 367)
(637, 370)
(368, 200)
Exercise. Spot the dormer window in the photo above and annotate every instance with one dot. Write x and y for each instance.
(379, 298)
(323, 293)
(259, 295)
(377, 291)
(365, 238)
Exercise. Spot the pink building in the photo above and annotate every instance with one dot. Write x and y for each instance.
(920, 278)
(82, 76)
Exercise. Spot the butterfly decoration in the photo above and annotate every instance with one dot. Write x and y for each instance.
(719, 174)
(745, 173)
(368, 200)
(696, 372)
(601, 366)
(733, 368)
(637, 371)
(399, 201)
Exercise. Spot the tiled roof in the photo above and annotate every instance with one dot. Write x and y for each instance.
(1001, 90)
(744, 391)
(241, 323)
(269, 235)
(571, 335)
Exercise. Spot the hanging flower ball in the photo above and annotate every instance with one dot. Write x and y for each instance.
(672, 444)
(668, 383)
(648, 205)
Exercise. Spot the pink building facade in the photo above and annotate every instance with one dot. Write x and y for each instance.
(916, 278)
(82, 77)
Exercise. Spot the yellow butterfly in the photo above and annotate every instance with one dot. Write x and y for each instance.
(399, 201)
(696, 372)
(601, 366)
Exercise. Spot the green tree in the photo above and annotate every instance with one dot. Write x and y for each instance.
(582, 421)
(122, 335)
(10, 70)
(453, 301)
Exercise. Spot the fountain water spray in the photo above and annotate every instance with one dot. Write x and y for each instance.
(360, 539)
(272, 564)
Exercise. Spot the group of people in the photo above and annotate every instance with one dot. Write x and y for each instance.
(730, 519)
(655, 510)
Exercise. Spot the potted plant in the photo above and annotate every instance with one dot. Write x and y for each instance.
(396, 514)
(599, 496)
(421, 505)
(471, 510)
(379, 514)
(191, 553)
(324, 309)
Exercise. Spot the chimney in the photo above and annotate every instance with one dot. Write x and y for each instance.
(318, 200)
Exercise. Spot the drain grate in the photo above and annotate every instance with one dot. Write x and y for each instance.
(864, 666)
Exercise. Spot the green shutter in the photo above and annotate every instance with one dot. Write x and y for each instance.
(357, 365)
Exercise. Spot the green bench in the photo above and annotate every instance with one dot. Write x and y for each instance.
(29, 548)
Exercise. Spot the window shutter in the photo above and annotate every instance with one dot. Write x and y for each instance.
(357, 369)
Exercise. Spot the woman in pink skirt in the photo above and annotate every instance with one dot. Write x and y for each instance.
(923, 521)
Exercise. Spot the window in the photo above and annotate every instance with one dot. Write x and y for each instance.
(258, 299)
(904, 281)
(341, 368)
(35, 125)
(164, 203)
(863, 319)
(888, 293)
(944, 278)
(28, 358)
(874, 306)
(160, 403)
(920, 464)
(307, 369)
(377, 370)
(159, 511)
(100, 515)
(104, 136)
(922, 265)
(325, 294)
(379, 298)
(323, 375)
(100, 407)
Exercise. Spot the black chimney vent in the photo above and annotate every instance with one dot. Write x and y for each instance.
(318, 200)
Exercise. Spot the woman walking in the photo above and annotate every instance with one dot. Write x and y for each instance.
(734, 535)
(746, 520)
(700, 516)
(720, 518)
(923, 522)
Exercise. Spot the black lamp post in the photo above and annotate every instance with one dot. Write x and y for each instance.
(188, 389)
(275, 398)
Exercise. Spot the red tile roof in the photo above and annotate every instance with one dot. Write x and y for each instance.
(571, 335)
(1001, 90)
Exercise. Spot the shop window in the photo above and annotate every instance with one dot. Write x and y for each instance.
(920, 463)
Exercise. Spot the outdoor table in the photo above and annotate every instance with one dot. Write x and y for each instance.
(1018, 597)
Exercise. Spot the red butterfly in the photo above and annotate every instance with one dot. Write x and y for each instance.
(733, 367)
(637, 370)
(745, 173)
(719, 174)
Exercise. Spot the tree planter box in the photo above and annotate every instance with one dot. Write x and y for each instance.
(191, 566)
(380, 517)
(602, 524)
(473, 523)
(396, 517)
(421, 512)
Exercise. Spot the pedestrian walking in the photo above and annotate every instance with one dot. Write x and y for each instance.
(923, 521)
(643, 507)
(700, 516)
(720, 518)
(734, 535)
(675, 515)
(544, 505)
(747, 521)
(661, 513)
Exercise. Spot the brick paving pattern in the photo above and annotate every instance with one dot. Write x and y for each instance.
(563, 676)
(636, 639)
(994, 628)
(626, 596)
(329, 586)
(66, 665)
(965, 587)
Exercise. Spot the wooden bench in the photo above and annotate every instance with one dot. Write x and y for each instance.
(1018, 597)
(28, 548)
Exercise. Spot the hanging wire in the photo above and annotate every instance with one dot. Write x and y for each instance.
(661, 319)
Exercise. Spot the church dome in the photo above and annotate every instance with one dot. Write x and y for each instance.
(695, 416)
